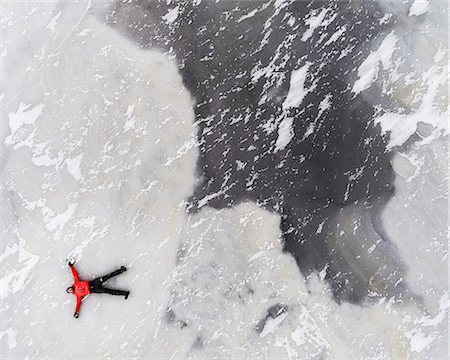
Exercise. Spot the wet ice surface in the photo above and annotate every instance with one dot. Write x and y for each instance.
(284, 133)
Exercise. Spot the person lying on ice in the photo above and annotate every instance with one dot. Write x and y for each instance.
(81, 288)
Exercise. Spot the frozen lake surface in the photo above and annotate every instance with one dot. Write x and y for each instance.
(274, 174)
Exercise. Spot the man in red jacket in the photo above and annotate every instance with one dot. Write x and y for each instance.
(82, 288)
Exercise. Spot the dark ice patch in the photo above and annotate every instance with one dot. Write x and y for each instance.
(237, 59)
(272, 313)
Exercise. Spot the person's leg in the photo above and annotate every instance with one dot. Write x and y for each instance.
(116, 292)
(114, 273)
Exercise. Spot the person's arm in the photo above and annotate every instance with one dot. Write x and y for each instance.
(74, 272)
(77, 307)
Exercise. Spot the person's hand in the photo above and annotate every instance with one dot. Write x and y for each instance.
(76, 315)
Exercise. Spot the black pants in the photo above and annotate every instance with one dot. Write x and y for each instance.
(96, 285)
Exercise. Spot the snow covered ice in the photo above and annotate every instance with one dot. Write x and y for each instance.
(272, 173)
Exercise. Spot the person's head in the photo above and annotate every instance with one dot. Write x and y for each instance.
(70, 290)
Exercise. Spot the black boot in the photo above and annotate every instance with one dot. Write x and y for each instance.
(126, 295)
(123, 268)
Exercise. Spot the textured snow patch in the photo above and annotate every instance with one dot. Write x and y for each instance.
(126, 208)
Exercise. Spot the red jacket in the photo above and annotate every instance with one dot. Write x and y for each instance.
(81, 288)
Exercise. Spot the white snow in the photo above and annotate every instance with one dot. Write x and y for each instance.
(336, 35)
(418, 341)
(419, 7)
(171, 15)
(435, 321)
(297, 90)
(285, 134)
(320, 227)
(84, 32)
(247, 16)
(313, 22)
(60, 220)
(368, 70)
(53, 22)
(24, 115)
(309, 131)
(74, 166)
(324, 105)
